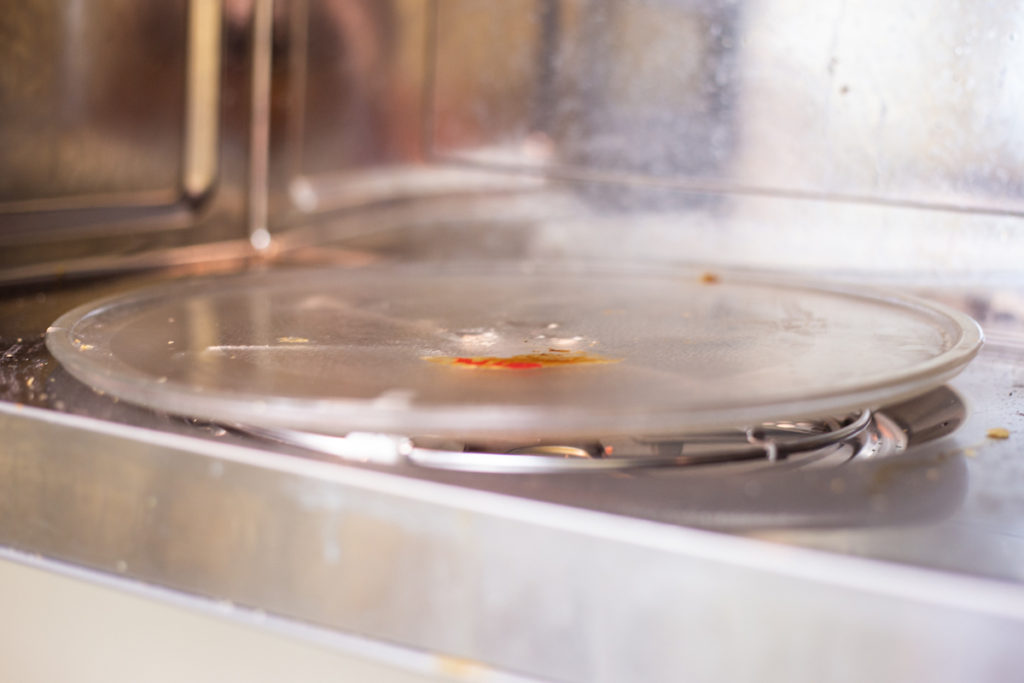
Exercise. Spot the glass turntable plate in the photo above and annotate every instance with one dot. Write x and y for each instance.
(515, 352)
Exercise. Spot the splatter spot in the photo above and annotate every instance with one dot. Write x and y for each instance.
(526, 361)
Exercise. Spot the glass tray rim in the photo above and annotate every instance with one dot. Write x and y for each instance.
(533, 421)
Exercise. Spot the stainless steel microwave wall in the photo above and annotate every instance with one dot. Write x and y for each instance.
(770, 133)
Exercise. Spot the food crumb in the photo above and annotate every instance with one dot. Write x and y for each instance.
(292, 340)
(998, 433)
(709, 279)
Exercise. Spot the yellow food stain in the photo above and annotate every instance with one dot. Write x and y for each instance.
(292, 340)
(891, 471)
(85, 347)
(998, 433)
(459, 668)
(709, 279)
(525, 361)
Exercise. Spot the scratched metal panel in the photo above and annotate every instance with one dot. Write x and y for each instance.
(910, 102)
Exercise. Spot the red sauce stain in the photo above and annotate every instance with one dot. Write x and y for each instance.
(526, 361)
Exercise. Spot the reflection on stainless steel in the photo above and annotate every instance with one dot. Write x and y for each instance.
(111, 153)
(259, 133)
(578, 80)
(349, 96)
(92, 104)
(696, 130)
(202, 96)
(684, 119)
(744, 95)
(453, 571)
